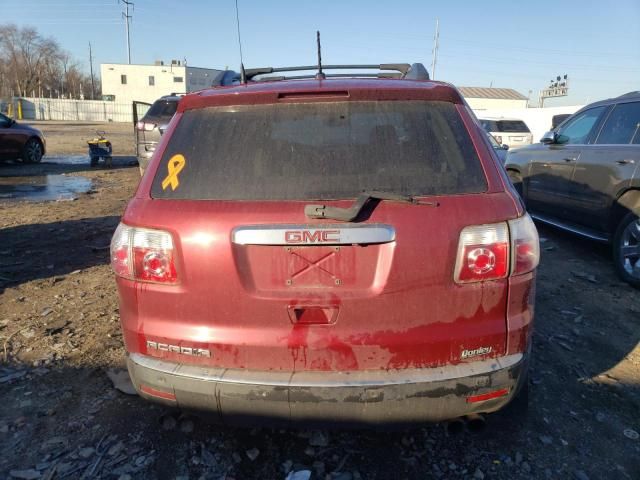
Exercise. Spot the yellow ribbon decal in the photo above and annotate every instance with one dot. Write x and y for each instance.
(175, 166)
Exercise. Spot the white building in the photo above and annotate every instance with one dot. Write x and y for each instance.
(124, 83)
(481, 98)
(508, 103)
(537, 119)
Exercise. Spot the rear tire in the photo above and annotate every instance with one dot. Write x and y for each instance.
(626, 249)
(32, 151)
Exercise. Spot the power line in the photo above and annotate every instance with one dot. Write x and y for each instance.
(126, 17)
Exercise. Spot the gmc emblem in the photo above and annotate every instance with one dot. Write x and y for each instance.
(312, 236)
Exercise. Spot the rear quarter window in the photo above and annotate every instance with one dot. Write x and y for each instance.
(319, 151)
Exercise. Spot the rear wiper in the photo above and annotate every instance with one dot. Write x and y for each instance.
(351, 213)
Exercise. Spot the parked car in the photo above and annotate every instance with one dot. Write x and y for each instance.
(501, 150)
(20, 142)
(341, 250)
(584, 178)
(149, 128)
(508, 131)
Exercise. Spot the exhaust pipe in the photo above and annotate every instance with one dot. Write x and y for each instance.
(475, 422)
(455, 426)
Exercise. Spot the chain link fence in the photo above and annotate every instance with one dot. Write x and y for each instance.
(31, 108)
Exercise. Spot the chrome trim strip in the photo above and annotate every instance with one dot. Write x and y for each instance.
(305, 234)
(371, 378)
(577, 231)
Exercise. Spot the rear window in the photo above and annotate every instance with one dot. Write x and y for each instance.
(162, 108)
(512, 126)
(303, 151)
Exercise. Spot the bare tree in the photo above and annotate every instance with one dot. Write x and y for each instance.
(33, 65)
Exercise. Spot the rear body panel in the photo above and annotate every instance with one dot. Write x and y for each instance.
(234, 300)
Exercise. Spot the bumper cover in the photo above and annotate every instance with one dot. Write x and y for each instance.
(363, 397)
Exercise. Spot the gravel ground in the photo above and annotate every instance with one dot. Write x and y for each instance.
(61, 352)
(65, 138)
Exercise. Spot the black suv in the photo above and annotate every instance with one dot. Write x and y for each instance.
(585, 177)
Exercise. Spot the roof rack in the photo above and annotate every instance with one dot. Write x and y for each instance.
(417, 71)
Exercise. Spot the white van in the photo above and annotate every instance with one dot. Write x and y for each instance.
(508, 131)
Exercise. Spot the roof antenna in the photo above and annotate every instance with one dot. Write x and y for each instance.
(319, 75)
(243, 75)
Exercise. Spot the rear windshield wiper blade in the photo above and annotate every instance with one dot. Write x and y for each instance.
(351, 213)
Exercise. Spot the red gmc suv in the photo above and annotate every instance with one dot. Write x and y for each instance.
(327, 250)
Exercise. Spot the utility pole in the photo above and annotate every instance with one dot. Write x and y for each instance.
(126, 17)
(436, 44)
(93, 87)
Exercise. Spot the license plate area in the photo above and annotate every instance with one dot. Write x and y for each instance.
(320, 266)
(277, 270)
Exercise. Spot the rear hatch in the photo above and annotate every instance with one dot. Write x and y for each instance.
(262, 286)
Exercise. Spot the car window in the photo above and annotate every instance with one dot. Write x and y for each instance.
(321, 150)
(493, 141)
(512, 126)
(162, 108)
(4, 121)
(622, 125)
(489, 125)
(577, 129)
(556, 120)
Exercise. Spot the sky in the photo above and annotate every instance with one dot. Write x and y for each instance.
(482, 43)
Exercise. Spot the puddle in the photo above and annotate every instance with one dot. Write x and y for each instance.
(43, 188)
(67, 159)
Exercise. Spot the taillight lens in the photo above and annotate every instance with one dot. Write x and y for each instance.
(145, 126)
(143, 254)
(525, 245)
(483, 253)
(493, 251)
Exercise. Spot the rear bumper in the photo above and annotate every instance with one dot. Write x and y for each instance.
(367, 397)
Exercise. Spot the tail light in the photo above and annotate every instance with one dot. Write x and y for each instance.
(525, 245)
(143, 254)
(483, 253)
(145, 126)
(491, 252)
